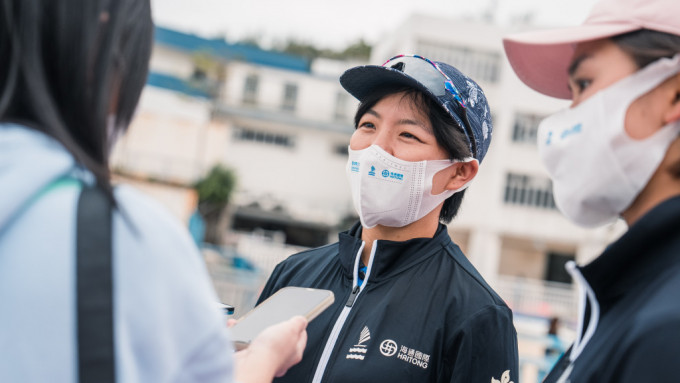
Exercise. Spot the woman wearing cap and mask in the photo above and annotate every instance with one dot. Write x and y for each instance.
(615, 153)
(409, 306)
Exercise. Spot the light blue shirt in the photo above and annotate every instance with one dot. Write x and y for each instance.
(166, 323)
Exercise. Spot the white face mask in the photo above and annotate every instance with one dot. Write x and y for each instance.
(392, 192)
(596, 168)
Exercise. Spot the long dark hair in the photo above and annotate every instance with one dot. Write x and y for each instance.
(66, 65)
(646, 46)
(447, 133)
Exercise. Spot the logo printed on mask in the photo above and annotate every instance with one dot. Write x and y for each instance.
(372, 172)
(393, 175)
(565, 133)
(355, 166)
(358, 351)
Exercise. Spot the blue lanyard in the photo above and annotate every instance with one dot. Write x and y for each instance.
(362, 274)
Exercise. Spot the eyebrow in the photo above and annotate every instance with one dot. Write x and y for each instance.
(373, 112)
(406, 121)
(573, 67)
(403, 121)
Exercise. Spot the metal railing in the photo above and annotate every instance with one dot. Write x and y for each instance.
(538, 297)
(236, 283)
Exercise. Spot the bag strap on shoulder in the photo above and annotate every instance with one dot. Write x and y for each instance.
(94, 276)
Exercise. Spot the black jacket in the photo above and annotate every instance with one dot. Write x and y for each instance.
(423, 314)
(636, 286)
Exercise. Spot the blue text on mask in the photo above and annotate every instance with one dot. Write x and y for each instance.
(565, 133)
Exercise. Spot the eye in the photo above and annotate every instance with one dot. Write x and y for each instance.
(582, 84)
(366, 125)
(410, 136)
(579, 85)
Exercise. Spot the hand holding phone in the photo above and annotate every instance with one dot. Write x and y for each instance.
(272, 352)
(283, 305)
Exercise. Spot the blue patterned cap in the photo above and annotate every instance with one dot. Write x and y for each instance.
(458, 94)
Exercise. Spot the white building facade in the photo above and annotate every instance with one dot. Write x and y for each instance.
(280, 123)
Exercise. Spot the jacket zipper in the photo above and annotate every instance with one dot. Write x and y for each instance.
(353, 296)
(340, 322)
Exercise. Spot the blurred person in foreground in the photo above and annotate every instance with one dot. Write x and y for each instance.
(616, 153)
(409, 307)
(70, 78)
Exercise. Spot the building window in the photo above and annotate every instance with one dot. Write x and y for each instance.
(341, 149)
(529, 191)
(525, 127)
(340, 112)
(477, 64)
(555, 270)
(250, 89)
(246, 134)
(290, 92)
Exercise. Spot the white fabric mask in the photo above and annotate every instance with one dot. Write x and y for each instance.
(392, 192)
(596, 168)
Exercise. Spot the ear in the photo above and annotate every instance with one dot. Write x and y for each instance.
(673, 112)
(464, 173)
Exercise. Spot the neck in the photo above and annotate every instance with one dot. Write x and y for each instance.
(425, 227)
(664, 184)
(647, 201)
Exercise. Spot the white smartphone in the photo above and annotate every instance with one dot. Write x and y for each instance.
(283, 305)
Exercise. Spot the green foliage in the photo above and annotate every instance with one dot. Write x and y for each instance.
(358, 50)
(299, 48)
(216, 188)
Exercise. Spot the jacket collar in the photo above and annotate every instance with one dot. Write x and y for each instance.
(391, 257)
(650, 246)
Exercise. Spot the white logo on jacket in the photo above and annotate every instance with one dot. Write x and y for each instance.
(505, 378)
(358, 351)
(388, 347)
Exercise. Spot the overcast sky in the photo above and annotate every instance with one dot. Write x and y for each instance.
(338, 23)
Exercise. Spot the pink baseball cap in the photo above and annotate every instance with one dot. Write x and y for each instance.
(541, 58)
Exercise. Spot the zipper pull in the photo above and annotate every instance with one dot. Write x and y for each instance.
(352, 297)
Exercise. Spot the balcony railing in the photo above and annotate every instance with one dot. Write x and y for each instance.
(538, 297)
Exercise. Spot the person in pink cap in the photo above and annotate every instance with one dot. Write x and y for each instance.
(616, 153)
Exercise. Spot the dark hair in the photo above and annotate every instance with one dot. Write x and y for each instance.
(67, 64)
(446, 131)
(646, 46)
